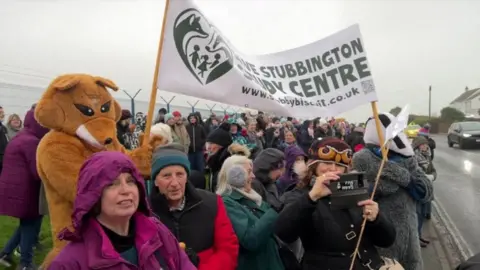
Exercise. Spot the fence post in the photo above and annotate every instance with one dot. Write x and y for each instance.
(225, 109)
(168, 103)
(193, 106)
(211, 108)
(132, 103)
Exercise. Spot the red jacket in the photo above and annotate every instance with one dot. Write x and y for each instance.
(224, 253)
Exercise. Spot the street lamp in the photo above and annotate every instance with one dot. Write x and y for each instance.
(430, 102)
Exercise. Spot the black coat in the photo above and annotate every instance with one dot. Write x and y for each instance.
(324, 232)
(473, 263)
(198, 137)
(195, 224)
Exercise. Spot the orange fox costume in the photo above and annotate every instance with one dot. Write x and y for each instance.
(82, 116)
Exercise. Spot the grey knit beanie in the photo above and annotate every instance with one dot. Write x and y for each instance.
(237, 176)
(419, 141)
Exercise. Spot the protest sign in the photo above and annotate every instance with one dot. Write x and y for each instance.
(324, 78)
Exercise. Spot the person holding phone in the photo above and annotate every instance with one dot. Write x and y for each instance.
(329, 236)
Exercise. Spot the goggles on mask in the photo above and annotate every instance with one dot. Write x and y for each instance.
(329, 154)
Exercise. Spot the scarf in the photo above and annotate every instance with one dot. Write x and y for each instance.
(251, 195)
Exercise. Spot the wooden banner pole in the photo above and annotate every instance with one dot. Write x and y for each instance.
(385, 149)
(153, 94)
(362, 229)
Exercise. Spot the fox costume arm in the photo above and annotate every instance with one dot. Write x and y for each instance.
(142, 156)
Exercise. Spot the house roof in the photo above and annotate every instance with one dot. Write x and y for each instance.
(467, 95)
(474, 95)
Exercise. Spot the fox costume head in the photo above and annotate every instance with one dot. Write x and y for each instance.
(80, 105)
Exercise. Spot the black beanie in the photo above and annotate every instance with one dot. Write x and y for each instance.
(221, 135)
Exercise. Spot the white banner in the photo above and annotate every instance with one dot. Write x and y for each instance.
(324, 78)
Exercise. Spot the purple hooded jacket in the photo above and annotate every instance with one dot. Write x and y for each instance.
(90, 247)
(288, 177)
(19, 181)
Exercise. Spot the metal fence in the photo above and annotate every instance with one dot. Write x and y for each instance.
(16, 98)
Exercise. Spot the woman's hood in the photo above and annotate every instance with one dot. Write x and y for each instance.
(97, 172)
(264, 161)
(194, 115)
(306, 124)
(291, 154)
(32, 126)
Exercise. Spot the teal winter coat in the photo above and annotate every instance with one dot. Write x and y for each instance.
(258, 247)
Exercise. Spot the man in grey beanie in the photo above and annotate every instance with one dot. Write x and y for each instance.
(268, 166)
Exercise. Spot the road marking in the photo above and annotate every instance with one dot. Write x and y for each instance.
(457, 236)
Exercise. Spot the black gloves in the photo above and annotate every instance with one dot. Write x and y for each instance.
(192, 255)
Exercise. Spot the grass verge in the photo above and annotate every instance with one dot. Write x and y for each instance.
(8, 225)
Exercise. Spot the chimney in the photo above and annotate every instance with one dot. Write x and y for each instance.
(466, 88)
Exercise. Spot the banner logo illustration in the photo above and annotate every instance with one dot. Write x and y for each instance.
(201, 47)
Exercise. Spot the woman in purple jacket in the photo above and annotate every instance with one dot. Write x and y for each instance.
(112, 222)
(19, 191)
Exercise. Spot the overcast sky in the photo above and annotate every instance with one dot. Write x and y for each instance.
(410, 44)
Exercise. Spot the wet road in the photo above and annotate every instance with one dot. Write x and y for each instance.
(457, 189)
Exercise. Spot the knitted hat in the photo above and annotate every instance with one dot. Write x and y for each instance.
(419, 140)
(221, 135)
(236, 176)
(330, 150)
(167, 117)
(163, 130)
(125, 115)
(177, 114)
(169, 155)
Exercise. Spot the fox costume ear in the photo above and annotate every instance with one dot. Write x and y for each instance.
(47, 112)
(63, 83)
(109, 84)
(106, 83)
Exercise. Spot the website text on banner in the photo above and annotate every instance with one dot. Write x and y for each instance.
(324, 78)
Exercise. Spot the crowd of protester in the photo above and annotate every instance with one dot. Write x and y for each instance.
(232, 192)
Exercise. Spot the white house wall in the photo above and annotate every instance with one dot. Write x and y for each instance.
(475, 105)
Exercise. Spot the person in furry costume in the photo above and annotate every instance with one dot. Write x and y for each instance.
(81, 115)
(402, 185)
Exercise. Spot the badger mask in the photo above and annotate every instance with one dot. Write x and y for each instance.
(400, 144)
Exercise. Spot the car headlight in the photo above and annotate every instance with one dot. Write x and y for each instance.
(467, 135)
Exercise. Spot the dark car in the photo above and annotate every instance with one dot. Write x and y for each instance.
(465, 134)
